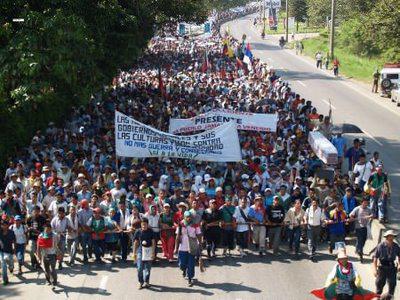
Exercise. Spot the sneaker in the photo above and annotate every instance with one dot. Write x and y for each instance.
(20, 271)
(55, 283)
(224, 252)
(184, 273)
(60, 267)
(241, 252)
(190, 282)
(140, 286)
(146, 285)
(5, 282)
(170, 260)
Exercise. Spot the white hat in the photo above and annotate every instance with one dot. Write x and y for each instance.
(149, 175)
(207, 177)
(182, 204)
(342, 254)
(389, 232)
(202, 190)
(81, 175)
(149, 195)
(218, 189)
(245, 177)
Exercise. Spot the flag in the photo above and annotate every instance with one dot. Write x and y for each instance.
(161, 84)
(248, 52)
(206, 64)
(248, 56)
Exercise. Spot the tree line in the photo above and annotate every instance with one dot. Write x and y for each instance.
(366, 27)
(55, 54)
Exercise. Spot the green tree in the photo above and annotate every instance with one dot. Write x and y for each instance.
(298, 10)
(64, 51)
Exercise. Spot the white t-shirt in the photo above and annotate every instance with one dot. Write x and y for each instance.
(363, 170)
(20, 233)
(239, 219)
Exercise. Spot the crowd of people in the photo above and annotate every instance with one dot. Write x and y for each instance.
(67, 195)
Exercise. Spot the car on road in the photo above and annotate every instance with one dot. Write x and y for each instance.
(390, 79)
(395, 96)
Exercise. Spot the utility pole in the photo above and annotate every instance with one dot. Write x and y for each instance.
(287, 21)
(264, 19)
(332, 37)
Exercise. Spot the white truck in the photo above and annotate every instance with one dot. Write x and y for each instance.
(390, 79)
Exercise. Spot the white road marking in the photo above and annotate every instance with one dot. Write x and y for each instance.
(103, 284)
(372, 138)
(302, 83)
(329, 104)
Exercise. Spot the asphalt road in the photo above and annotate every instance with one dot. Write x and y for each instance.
(352, 103)
(253, 277)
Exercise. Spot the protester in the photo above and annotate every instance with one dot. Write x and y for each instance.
(47, 253)
(386, 263)
(362, 216)
(212, 231)
(188, 239)
(242, 221)
(295, 219)
(275, 218)
(20, 233)
(313, 218)
(7, 239)
(144, 252)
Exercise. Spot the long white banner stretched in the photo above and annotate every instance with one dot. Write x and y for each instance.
(216, 117)
(134, 139)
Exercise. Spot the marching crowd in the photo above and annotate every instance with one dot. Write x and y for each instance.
(68, 195)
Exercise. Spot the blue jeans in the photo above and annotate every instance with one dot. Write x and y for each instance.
(98, 247)
(86, 244)
(20, 252)
(186, 263)
(6, 259)
(124, 242)
(382, 208)
(143, 268)
(361, 234)
(294, 237)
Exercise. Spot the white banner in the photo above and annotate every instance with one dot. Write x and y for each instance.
(134, 139)
(216, 117)
(273, 4)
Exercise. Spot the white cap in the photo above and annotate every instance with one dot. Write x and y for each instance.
(218, 189)
(202, 190)
(81, 175)
(207, 177)
(245, 177)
